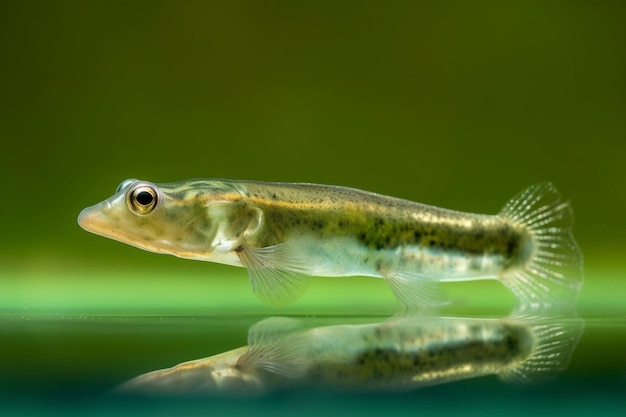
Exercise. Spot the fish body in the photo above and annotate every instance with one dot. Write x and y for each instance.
(396, 355)
(400, 354)
(284, 232)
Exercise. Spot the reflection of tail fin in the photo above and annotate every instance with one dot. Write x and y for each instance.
(554, 341)
(553, 272)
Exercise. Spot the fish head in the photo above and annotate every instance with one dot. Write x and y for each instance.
(218, 374)
(163, 218)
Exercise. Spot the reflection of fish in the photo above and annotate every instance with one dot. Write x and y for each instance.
(284, 232)
(399, 354)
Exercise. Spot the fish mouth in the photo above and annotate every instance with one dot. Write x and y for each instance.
(102, 220)
(86, 219)
(93, 219)
(98, 220)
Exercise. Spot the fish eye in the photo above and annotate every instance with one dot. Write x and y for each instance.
(142, 199)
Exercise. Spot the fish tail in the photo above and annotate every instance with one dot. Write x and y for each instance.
(552, 342)
(551, 269)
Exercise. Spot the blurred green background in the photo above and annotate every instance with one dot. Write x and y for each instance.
(456, 104)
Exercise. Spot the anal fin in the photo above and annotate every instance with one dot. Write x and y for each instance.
(415, 291)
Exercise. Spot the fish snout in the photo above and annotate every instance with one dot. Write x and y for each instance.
(92, 217)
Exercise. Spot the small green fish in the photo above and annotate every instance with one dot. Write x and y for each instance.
(399, 354)
(283, 233)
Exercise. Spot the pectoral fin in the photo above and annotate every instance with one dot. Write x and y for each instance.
(277, 345)
(276, 272)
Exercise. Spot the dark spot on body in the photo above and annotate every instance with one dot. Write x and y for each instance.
(239, 249)
(171, 216)
(380, 354)
(277, 217)
(512, 344)
(341, 373)
(510, 247)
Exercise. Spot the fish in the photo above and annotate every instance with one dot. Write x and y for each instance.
(284, 233)
(400, 354)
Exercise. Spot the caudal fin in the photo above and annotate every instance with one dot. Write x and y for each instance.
(553, 273)
(554, 341)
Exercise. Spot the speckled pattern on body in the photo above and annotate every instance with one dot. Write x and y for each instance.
(422, 352)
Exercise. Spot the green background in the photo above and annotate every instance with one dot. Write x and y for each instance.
(456, 104)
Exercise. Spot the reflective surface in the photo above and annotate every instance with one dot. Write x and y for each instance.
(398, 354)
(70, 337)
(71, 364)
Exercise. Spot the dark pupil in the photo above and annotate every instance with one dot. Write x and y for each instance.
(144, 198)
